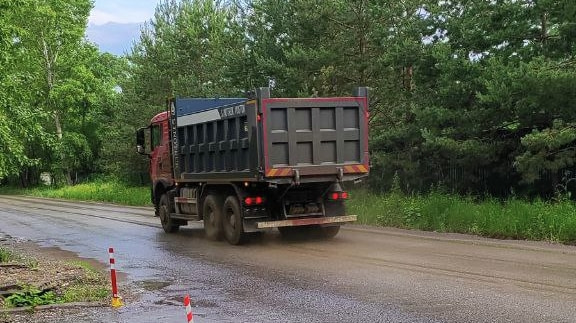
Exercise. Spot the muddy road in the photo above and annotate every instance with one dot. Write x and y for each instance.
(363, 275)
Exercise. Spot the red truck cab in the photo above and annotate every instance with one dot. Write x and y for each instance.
(160, 157)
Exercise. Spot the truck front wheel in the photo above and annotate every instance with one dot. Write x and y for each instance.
(328, 232)
(164, 210)
(212, 214)
(232, 221)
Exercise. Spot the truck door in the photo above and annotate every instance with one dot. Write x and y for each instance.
(160, 161)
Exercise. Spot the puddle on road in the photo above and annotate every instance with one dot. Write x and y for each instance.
(151, 285)
(203, 303)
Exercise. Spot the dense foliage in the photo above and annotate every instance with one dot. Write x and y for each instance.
(475, 96)
(56, 92)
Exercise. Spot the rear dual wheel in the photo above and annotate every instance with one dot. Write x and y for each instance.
(232, 222)
(212, 214)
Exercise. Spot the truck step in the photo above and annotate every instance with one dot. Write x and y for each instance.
(187, 217)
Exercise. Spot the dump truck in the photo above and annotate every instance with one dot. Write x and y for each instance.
(246, 165)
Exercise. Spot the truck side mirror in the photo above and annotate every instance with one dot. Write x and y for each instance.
(141, 141)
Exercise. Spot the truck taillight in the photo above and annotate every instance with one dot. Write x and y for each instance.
(335, 196)
(253, 200)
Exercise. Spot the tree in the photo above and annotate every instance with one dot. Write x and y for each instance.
(497, 76)
(185, 50)
(19, 123)
(56, 90)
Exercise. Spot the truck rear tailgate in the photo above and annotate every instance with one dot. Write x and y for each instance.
(315, 136)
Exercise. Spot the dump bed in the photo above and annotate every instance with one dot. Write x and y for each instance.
(270, 139)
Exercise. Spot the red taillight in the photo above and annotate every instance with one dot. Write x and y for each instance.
(338, 196)
(253, 200)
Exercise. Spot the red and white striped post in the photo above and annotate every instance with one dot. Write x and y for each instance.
(116, 300)
(189, 314)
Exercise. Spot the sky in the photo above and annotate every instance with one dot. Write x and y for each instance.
(122, 11)
(114, 25)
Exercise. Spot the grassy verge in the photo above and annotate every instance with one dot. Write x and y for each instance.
(515, 219)
(91, 287)
(6, 255)
(111, 192)
(42, 281)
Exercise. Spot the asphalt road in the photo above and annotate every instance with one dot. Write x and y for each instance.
(363, 275)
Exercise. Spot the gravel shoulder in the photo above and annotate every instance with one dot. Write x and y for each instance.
(79, 283)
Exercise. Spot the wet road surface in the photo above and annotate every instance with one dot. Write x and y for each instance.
(363, 275)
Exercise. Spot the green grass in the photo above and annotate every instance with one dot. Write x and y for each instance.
(89, 288)
(6, 255)
(31, 296)
(515, 219)
(111, 192)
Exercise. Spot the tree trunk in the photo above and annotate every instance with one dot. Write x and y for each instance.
(544, 27)
(50, 57)
(58, 125)
(407, 78)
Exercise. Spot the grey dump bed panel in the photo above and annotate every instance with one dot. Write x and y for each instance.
(270, 139)
(210, 138)
(317, 136)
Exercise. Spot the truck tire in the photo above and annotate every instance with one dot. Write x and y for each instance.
(164, 210)
(212, 214)
(232, 221)
(328, 232)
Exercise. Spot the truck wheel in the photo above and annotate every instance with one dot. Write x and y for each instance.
(232, 221)
(328, 232)
(164, 210)
(212, 213)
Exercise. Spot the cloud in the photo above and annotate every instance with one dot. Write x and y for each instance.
(98, 17)
(106, 11)
(113, 37)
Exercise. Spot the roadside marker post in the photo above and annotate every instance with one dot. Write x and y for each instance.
(116, 300)
(189, 314)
